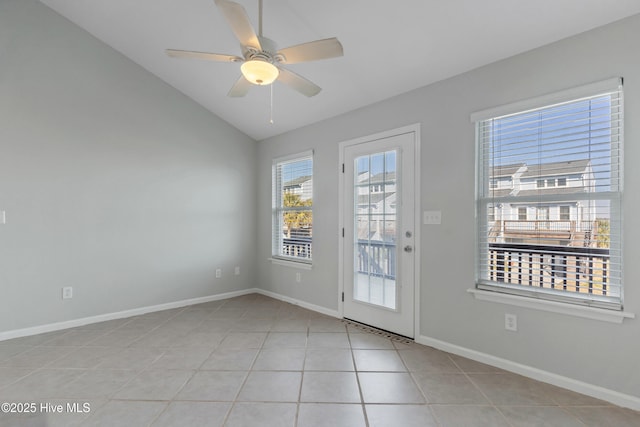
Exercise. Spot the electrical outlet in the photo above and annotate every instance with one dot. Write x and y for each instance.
(510, 322)
(298, 277)
(218, 273)
(237, 271)
(67, 292)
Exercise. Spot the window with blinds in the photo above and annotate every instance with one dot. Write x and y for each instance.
(293, 207)
(549, 190)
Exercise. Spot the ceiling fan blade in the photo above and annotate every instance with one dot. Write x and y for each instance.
(176, 53)
(312, 51)
(239, 22)
(240, 88)
(298, 83)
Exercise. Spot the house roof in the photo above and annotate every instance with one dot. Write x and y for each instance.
(553, 190)
(555, 169)
(374, 197)
(502, 192)
(505, 170)
(382, 178)
(298, 181)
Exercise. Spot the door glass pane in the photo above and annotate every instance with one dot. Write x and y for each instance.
(375, 231)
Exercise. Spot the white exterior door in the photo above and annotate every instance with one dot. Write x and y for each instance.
(378, 217)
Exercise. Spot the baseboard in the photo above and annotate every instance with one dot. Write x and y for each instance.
(34, 330)
(303, 304)
(51, 327)
(617, 398)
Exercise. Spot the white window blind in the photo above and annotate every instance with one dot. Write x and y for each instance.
(564, 161)
(293, 207)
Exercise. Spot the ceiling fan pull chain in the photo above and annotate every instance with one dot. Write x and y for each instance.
(271, 106)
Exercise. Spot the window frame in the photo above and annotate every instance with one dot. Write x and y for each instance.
(277, 210)
(523, 212)
(614, 303)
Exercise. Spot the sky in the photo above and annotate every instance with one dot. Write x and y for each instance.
(376, 163)
(578, 130)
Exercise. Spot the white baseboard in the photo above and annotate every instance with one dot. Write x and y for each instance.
(34, 330)
(40, 329)
(308, 306)
(617, 398)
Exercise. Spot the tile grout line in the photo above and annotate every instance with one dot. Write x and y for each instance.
(493, 404)
(304, 364)
(355, 369)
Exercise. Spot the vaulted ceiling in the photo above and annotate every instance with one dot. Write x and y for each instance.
(389, 47)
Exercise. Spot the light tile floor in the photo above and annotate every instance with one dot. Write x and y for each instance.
(255, 361)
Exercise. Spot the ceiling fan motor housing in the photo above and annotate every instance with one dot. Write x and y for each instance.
(268, 52)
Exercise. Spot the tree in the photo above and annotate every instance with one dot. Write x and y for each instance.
(296, 219)
(603, 233)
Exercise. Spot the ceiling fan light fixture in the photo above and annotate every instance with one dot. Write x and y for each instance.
(259, 72)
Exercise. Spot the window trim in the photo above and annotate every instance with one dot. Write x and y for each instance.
(276, 258)
(521, 107)
(549, 99)
(526, 213)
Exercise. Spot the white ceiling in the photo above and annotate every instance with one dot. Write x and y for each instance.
(391, 47)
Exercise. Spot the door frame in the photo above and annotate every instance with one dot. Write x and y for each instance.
(415, 129)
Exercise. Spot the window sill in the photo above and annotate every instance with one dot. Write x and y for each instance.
(601, 314)
(293, 264)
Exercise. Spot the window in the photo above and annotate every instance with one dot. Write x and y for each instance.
(292, 212)
(522, 214)
(542, 213)
(576, 134)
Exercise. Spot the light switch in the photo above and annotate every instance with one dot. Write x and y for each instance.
(432, 217)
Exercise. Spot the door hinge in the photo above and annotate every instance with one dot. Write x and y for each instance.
(343, 297)
(343, 232)
(343, 168)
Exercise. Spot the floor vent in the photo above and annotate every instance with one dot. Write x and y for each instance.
(376, 331)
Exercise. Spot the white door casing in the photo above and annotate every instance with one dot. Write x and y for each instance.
(379, 207)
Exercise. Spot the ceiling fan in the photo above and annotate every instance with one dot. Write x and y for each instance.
(261, 60)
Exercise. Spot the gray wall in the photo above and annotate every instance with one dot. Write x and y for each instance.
(112, 181)
(591, 351)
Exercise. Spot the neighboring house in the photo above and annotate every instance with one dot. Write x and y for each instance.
(376, 207)
(301, 228)
(565, 223)
(302, 186)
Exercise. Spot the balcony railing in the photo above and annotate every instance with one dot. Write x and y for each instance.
(377, 258)
(374, 257)
(572, 269)
(298, 247)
